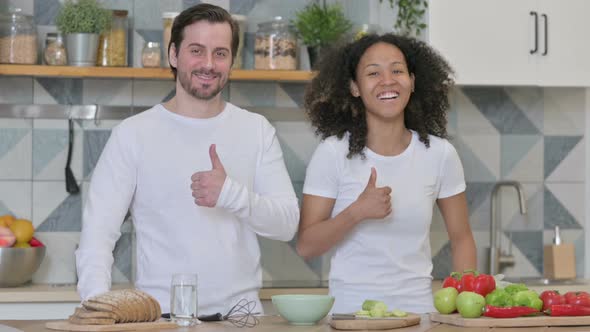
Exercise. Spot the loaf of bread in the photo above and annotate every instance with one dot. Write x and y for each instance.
(117, 306)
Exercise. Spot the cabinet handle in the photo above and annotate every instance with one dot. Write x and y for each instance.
(536, 33)
(546, 20)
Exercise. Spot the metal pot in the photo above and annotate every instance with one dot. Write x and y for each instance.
(82, 49)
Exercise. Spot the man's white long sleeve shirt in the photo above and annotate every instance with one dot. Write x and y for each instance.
(146, 167)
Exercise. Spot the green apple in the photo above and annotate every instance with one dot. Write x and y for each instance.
(470, 304)
(445, 300)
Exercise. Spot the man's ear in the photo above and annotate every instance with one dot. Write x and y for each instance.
(413, 77)
(354, 89)
(172, 58)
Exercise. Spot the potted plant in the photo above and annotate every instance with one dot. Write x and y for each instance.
(320, 25)
(410, 14)
(82, 21)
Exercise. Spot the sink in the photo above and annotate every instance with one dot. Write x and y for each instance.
(540, 281)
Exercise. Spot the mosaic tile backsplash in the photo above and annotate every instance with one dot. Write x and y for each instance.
(532, 135)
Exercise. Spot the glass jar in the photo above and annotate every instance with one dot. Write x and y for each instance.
(18, 38)
(275, 46)
(55, 50)
(167, 21)
(150, 55)
(241, 20)
(112, 45)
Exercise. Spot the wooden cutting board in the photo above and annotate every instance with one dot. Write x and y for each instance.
(64, 325)
(375, 323)
(456, 319)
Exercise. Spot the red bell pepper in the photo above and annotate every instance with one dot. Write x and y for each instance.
(484, 284)
(508, 312)
(452, 280)
(568, 310)
(578, 298)
(551, 297)
(467, 281)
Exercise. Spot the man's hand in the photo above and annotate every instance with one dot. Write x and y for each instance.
(373, 202)
(207, 185)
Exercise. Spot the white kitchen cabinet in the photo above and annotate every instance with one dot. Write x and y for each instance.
(513, 42)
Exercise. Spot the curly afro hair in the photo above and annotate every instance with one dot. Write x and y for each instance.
(333, 110)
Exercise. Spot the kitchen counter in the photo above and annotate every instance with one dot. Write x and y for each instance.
(68, 293)
(277, 324)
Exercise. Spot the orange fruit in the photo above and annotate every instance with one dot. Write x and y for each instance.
(23, 230)
(6, 220)
(22, 245)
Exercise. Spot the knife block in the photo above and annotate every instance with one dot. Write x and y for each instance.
(559, 261)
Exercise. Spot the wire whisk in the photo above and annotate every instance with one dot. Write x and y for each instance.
(242, 315)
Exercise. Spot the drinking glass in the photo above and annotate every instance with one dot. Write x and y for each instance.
(183, 299)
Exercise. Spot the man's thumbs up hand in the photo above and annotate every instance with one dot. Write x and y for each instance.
(207, 185)
(373, 202)
(215, 161)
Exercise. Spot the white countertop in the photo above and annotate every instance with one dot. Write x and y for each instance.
(40, 293)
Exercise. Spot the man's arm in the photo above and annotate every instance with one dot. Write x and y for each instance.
(110, 193)
(271, 210)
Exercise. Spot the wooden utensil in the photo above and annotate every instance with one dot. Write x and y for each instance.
(64, 325)
(362, 323)
(457, 320)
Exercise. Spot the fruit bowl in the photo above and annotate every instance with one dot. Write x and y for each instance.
(17, 265)
(304, 309)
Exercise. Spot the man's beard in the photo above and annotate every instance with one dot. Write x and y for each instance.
(200, 93)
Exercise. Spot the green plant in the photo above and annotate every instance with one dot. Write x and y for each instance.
(320, 25)
(83, 16)
(409, 16)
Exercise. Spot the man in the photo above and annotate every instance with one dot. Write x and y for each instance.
(200, 176)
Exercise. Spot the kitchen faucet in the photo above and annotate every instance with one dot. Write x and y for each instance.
(498, 259)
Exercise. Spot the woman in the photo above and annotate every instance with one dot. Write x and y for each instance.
(380, 105)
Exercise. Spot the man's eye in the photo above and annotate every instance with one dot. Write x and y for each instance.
(373, 73)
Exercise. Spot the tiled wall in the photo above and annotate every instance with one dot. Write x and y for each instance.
(532, 135)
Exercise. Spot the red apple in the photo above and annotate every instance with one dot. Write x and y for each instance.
(7, 238)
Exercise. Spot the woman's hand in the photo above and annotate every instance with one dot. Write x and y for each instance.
(373, 202)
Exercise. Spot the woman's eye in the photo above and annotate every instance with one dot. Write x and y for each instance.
(373, 73)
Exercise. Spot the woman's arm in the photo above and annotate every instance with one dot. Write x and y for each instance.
(318, 233)
(455, 215)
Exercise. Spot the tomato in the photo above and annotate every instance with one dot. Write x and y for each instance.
(578, 298)
(550, 297)
(467, 282)
(484, 284)
(452, 280)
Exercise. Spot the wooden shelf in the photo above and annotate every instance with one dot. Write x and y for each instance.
(145, 73)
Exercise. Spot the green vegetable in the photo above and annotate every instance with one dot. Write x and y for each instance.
(362, 313)
(321, 25)
(378, 310)
(528, 298)
(369, 304)
(399, 313)
(515, 288)
(499, 298)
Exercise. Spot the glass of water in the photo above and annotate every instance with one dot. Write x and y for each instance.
(183, 299)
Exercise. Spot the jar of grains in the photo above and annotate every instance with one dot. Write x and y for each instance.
(112, 45)
(55, 50)
(18, 38)
(167, 21)
(275, 46)
(150, 55)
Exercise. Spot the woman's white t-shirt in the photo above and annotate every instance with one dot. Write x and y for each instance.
(387, 259)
